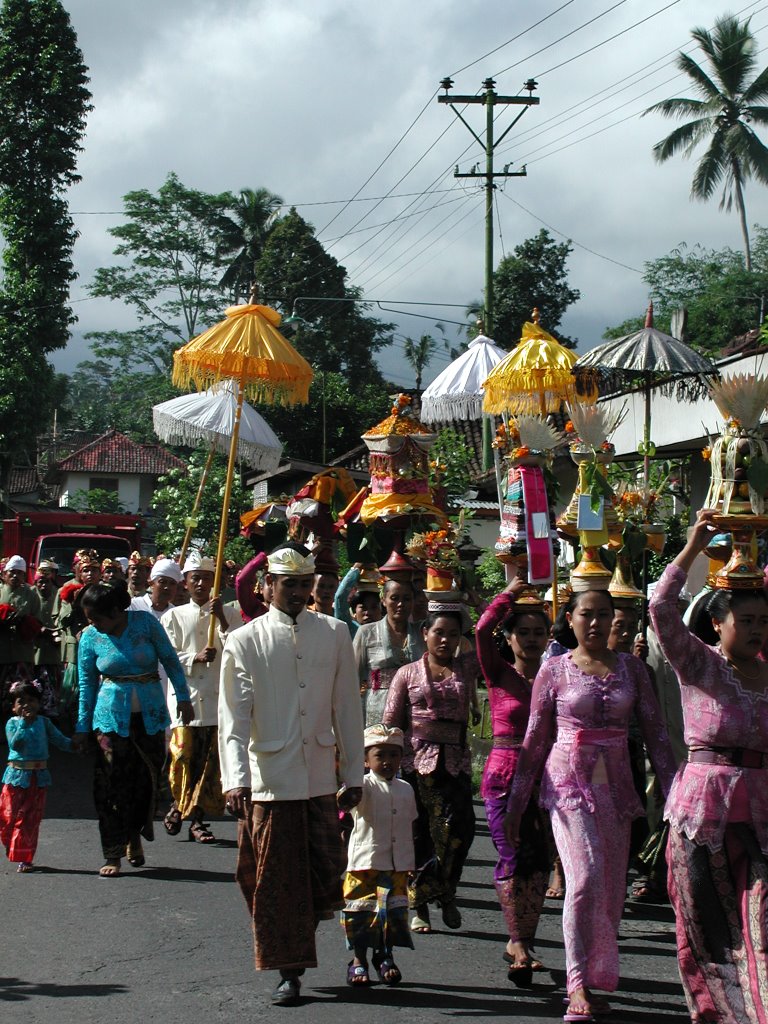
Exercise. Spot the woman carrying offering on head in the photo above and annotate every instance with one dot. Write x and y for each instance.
(382, 647)
(718, 806)
(429, 700)
(580, 709)
(509, 668)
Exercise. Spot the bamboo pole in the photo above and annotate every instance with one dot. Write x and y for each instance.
(198, 498)
(225, 505)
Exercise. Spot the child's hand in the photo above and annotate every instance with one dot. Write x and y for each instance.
(79, 743)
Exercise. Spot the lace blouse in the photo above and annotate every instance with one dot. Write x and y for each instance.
(590, 716)
(415, 697)
(717, 712)
(509, 696)
(136, 652)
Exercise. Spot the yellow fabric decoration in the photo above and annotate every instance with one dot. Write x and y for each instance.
(247, 347)
(534, 378)
(386, 506)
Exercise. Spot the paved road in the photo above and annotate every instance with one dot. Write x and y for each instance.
(171, 942)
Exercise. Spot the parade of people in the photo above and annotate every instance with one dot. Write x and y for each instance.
(383, 605)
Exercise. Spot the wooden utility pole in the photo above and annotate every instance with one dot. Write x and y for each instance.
(491, 100)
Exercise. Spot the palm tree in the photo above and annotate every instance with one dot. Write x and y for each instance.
(730, 102)
(254, 213)
(419, 354)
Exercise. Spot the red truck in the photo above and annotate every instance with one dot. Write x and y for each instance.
(56, 534)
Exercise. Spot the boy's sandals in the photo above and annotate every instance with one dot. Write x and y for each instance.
(172, 821)
(110, 870)
(24, 866)
(420, 922)
(387, 970)
(451, 915)
(200, 833)
(357, 975)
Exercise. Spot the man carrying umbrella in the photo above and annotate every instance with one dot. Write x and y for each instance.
(289, 695)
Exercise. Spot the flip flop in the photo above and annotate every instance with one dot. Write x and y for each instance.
(554, 893)
(420, 922)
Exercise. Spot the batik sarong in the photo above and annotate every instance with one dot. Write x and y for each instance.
(593, 847)
(194, 773)
(375, 914)
(125, 785)
(289, 867)
(522, 872)
(443, 833)
(21, 811)
(720, 900)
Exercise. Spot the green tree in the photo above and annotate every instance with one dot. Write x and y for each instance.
(451, 460)
(338, 412)
(254, 213)
(534, 275)
(723, 300)
(297, 276)
(44, 102)
(175, 497)
(95, 500)
(731, 99)
(105, 393)
(176, 245)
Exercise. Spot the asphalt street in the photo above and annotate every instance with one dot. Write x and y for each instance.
(171, 941)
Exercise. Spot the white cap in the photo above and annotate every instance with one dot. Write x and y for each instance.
(15, 562)
(196, 562)
(166, 567)
(123, 563)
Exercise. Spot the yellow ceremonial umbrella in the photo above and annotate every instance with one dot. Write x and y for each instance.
(535, 377)
(248, 348)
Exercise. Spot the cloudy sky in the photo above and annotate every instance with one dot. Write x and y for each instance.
(310, 98)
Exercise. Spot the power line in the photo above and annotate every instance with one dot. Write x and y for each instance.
(512, 40)
(562, 234)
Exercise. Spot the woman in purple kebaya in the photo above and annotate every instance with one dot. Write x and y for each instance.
(718, 806)
(509, 664)
(580, 709)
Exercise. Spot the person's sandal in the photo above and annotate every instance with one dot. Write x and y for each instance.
(420, 922)
(110, 870)
(287, 993)
(200, 833)
(357, 975)
(387, 966)
(172, 821)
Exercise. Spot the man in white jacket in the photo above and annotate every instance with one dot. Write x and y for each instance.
(289, 697)
(194, 775)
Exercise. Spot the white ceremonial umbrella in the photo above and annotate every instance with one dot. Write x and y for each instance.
(210, 416)
(457, 392)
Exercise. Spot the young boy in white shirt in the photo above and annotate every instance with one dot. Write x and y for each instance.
(379, 858)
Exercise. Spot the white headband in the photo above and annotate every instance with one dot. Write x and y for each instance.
(166, 567)
(15, 562)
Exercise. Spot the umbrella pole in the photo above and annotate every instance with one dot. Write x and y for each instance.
(225, 505)
(646, 482)
(198, 498)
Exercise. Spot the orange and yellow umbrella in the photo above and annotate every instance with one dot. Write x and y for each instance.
(535, 377)
(247, 347)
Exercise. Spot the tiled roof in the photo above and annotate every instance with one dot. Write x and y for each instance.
(22, 480)
(113, 452)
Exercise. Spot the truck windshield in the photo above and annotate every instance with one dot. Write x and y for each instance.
(62, 550)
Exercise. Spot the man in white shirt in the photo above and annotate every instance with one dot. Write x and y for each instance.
(289, 696)
(194, 774)
(163, 581)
